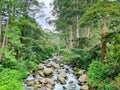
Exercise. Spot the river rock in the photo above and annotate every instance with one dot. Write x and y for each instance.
(31, 83)
(61, 65)
(37, 86)
(82, 83)
(61, 79)
(41, 73)
(48, 81)
(49, 65)
(62, 73)
(80, 72)
(48, 71)
(36, 81)
(56, 66)
(41, 66)
(44, 81)
(85, 87)
(83, 78)
(49, 86)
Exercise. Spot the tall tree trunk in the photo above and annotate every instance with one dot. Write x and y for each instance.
(71, 37)
(4, 41)
(0, 28)
(77, 25)
(0, 36)
(103, 48)
(66, 39)
(6, 37)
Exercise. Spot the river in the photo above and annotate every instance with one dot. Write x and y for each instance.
(52, 74)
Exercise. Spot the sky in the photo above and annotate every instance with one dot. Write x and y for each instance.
(47, 13)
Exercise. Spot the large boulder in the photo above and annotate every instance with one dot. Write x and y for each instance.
(56, 66)
(48, 71)
(41, 73)
(41, 66)
(85, 87)
(31, 83)
(61, 79)
(62, 73)
(83, 78)
(44, 81)
(48, 81)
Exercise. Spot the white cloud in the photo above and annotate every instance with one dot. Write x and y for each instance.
(47, 10)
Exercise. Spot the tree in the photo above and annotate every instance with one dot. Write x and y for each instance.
(69, 13)
(12, 13)
(101, 12)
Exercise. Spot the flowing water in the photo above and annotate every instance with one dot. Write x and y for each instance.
(71, 80)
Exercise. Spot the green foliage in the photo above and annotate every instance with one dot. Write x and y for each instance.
(96, 73)
(107, 85)
(27, 64)
(76, 57)
(110, 86)
(66, 55)
(117, 80)
(80, 57)
(10, 80)
(8, 60)
(113, 59)
(94, 53)
(100, 11)
(98, 76)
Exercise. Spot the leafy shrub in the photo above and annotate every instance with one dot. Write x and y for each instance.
(66, 55)
(76, 57)
(26, 65)
(96, 73)
(79, 58)
(110, 86)
(1, 67)
(113, 54)
(98, 76)
(8, 59)
(106, 86)
(21, 66)
(93, 53)
(10, 80)
(43, 52)
(8, 63)
(117, 80)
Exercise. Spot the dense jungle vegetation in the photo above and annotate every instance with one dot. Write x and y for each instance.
(88, 38)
